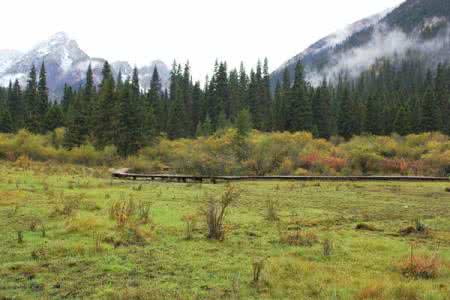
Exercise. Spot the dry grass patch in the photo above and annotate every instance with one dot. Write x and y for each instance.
(374, 291)
(299, 238)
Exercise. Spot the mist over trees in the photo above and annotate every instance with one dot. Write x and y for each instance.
(394, 95)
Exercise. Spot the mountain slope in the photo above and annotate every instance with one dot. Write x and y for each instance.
(416, 25)
(65, 62)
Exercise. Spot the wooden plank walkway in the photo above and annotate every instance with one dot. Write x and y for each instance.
(123, 173)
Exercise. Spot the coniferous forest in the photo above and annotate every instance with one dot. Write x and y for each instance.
(394, 96)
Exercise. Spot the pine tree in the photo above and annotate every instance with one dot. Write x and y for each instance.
(235, 95)
(374, 115)
(345, 122)
(6, 122)
(43, 103)
(322, 115)
(243, 127)
(106, 111)
(415, 117)
(88, 103)
(300, 116)
(75, 134)
(67, 98)
(197, 103)
(157, 104)
(243, 87)
(278, 116)
(430, 112)
(402, 125)
(54, 118)
(32, 118)
(16, 106)
(266, 99)
(186, 90)
(442, 97)
(176, 112)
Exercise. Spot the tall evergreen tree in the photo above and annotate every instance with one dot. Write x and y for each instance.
(322, 113)
(16, 106)
(43, 103)
(54, 118)
(345, 122)
(75, 134)
(402, 125)
(106, 111)
(300, 112)
(33, 117)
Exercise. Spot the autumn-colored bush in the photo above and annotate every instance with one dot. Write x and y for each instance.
(277, 153)
(420, 266)
(298, 238)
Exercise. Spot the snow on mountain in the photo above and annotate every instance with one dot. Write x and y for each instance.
(65, 63)
(334, 39)
(8, 58)
(416, 25)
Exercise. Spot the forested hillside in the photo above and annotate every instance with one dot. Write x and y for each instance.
(398, 95)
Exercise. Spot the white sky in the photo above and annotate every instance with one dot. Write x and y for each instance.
(198, 30)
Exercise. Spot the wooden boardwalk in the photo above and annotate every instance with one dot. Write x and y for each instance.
(123, 174)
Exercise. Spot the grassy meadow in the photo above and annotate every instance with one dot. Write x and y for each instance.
(68, 231)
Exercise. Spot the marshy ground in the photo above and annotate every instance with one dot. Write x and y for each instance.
(72, 232)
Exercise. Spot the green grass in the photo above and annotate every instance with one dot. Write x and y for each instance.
(67, 263)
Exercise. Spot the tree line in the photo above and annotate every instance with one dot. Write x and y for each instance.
(394, 95)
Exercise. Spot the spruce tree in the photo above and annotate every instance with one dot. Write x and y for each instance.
(43, 103)
(322, 114)
(16, 106)
(402, 125)
(54, 118)
(430, 112)
(67, 97)
(6, 122)
(75, 134)
(106, 111)
(88, 103)
(300, 116)
(176, 111)
(345, 122)
(32, 118)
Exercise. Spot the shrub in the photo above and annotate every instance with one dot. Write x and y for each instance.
(190, 221)
(420, 227)
(417, 266)
(143, 211)
(287, 167)
(215, 213)
(420, 266)
(272, 210)
(258, 265)
(364, 226)
(327, 247)
(299, 238)
(20, 237)
(122, 210)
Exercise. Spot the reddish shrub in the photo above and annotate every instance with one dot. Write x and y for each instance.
(395, 165)
(417, 266)
(309, 160)
(335, 163)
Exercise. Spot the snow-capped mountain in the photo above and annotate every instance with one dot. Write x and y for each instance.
(8, 58)
(416, 25)
(65, 63)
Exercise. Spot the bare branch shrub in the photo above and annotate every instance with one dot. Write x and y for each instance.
(215, 213)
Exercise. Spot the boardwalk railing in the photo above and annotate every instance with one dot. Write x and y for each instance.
(124, 174)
